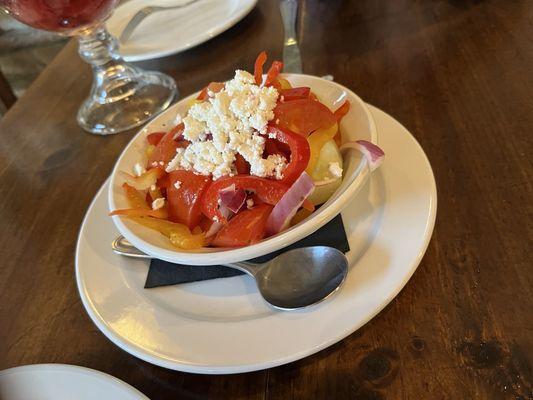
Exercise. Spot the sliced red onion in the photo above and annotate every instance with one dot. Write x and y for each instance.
(292, 200)
(232, 198)
(216, 226)
(372, 152)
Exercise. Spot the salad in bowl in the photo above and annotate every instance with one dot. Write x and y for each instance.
(241, 162)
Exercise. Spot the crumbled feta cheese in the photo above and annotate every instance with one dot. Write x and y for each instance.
(249, 203)
(216, 219)
(335, 169)
(138, 169)
(161, 163)
(233, 118)
(177, 184)
(158, 203)
(153, 187)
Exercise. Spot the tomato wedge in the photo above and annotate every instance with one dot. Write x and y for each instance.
(185, 198)
(295, 93)
(267, 190)
(258, 67)
(245, 228)
(166, 148)
(300, 152)
(303, 116)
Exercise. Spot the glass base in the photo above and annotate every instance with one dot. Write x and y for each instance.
(127, 101)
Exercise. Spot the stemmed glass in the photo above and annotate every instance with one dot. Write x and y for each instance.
(122, 96)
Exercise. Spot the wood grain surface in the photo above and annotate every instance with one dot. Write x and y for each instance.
(457, 73)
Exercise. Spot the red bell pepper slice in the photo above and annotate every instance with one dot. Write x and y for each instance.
(155, 137)
(258, 67)
(242, 166)
(272, 74)
(267, 190)
(300, 152)
(214, 87)
(342, 110)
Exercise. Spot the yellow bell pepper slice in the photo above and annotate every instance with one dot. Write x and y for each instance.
(317, 140)
(285, 84)
(179, 235)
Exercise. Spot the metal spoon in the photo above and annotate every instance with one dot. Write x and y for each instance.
(142, 14)
(295, 279)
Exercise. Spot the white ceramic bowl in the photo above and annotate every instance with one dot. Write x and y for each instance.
(357, 124)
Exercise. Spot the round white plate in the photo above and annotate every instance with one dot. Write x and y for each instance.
(168, 32)
(63, 382)
(223, 326)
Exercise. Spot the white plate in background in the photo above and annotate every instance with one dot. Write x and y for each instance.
(168, 32)
(63, 382)
(223, 326)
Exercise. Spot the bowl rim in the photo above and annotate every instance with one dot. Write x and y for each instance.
(283, 239)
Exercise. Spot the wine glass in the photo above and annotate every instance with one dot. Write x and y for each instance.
(122, 96)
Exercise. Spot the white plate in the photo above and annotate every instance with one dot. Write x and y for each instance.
(223, 326)
(168, 32)
(356, 124)
(63, 382)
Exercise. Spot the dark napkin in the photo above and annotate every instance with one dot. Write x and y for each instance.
(163, 273)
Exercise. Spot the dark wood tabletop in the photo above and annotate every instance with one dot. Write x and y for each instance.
(457, 73)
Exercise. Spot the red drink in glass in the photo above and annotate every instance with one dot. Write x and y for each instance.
(122, 96)
(59, 15)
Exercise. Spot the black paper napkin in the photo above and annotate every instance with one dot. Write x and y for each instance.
(163, 273)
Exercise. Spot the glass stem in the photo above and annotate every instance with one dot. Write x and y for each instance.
(112, 74)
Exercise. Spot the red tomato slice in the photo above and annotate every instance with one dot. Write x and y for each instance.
(267, 190)
(155, 137)
(245, 228)
(185, 202)
(303, 116)
(242, 166)
(166, 148)
(300, 152)
(214, 87)
(295, 93)
(258, 67)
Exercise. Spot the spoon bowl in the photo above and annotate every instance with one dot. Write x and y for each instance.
(299, 278)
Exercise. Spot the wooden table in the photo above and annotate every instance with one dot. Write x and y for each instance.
(458, 74)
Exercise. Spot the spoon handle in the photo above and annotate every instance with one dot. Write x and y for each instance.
(123, 247)
(245, 266)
